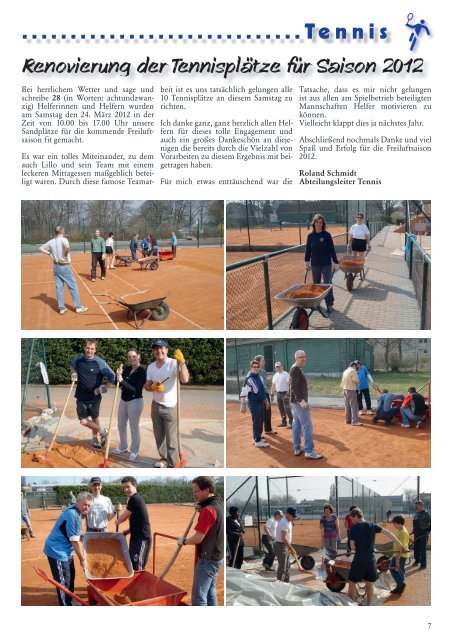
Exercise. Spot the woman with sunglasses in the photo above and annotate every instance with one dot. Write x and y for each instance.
(359, 237)
(131, 380)
(255, 394)
(321, 257)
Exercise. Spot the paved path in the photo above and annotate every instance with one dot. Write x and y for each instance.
(384, 300)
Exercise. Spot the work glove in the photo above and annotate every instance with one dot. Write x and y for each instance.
(178, 355)
(181, 541)
(158, 386)
(303, 404)
(307, 266)
(74, 376)
(272, 397)
(335, 267)
(243, 407)
(99, 390)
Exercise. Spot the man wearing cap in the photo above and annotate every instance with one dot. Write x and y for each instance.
(421, 530)
(97, 518)
(63, 541)
(89, 371)
(349, 383)
(298, 398)
(280, 385)
(161, 379)
(139, 524)
(268, 539)
(283, 537)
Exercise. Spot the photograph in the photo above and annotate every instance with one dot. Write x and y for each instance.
(328, 541)
(120, 402)
(122, 541)
(328, 402)
(328, 264)
(122, 264)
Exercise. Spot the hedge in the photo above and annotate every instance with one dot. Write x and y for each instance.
(152, 494)
(204, 356)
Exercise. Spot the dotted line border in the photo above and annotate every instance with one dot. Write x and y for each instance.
(158, 37)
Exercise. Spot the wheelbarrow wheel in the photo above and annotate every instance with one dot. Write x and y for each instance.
(307, 562)
(161, 312)
(383, 563)
(154, 266)
(349, 281)
(336, 585)
(300, 320)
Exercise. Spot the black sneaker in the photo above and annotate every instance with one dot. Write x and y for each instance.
(95, 444)
(104, 435)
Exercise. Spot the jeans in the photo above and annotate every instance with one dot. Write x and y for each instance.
(26, 519)
(95, 258)
(330, 545)
(282, 553)
(406, 415)
(269, 558)
(63, 275)
(257, 411)
(386, 415)
(302, 422)
(420, 542)
(350, 406)
(204, 592)
(284, 408)
(130, 411)
(364, 393)
(398, 572)
(326, 273)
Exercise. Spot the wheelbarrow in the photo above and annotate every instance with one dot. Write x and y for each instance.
(143, 589)
(110, 545)
(154, 308)
(353, 267)
(306, 560)
(150, 262)
(305, 296)
(122, 261)
(166, 253)
(338, 571)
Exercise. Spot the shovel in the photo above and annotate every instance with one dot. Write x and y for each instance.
(105, 464)
(182, 461)
(43, 458)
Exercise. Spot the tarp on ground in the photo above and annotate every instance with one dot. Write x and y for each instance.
(248, 590)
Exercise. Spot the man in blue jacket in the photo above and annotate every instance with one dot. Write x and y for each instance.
(89, 371)
(363, 389)
(63, 541)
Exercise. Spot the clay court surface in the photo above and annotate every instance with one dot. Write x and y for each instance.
(169, 518)
(287, 237)
(342, 445)
(192, 285)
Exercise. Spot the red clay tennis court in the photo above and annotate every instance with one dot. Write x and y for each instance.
(273, 237)
(192, 284)
(165, 518)
(342, 445)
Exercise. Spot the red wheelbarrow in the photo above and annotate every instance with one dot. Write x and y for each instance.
(338, 571)
(143, 589)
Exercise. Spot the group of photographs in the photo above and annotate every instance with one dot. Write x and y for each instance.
(161, 430)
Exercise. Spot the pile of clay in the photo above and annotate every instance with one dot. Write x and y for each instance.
(105, 558)
(353, 263)
(306, 291)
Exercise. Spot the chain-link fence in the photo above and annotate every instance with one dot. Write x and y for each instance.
(258, 498)
(394, 363)
(419, 263)
(251, 285)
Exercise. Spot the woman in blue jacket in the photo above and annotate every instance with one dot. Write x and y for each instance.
(319, 256)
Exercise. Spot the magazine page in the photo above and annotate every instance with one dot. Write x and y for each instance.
(224, 324)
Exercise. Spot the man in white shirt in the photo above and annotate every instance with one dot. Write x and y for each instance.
(280, 385)
(161, 379)
(283, 537)
(268, 539)
(58, 250)
(97, 518)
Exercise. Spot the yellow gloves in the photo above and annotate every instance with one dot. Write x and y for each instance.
(178, 355)
(158, 386)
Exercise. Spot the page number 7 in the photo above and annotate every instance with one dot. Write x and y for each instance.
(429, 625)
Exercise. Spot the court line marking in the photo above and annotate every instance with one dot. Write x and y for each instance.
(94, 299)
(33, 283)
